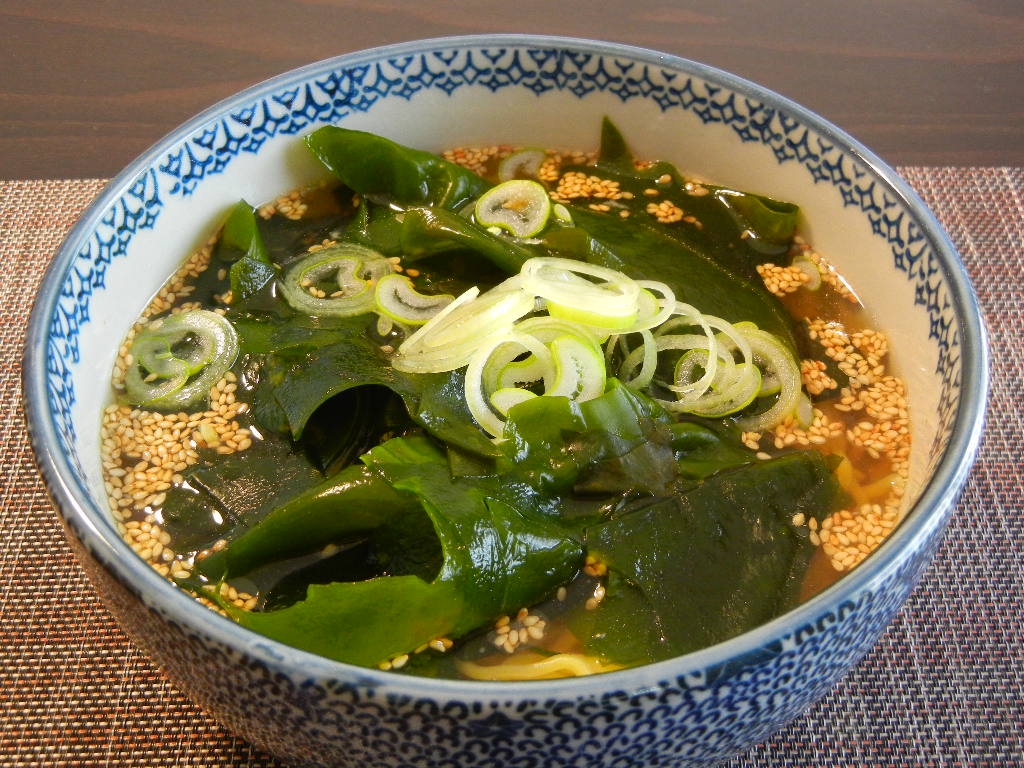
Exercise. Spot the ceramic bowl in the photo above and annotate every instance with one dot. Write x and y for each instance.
(545, 91)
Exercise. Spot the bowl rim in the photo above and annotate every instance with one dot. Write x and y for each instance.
(80, 513)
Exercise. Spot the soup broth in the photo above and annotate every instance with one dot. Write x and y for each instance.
(532, 531)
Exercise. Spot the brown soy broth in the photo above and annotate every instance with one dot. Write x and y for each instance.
(869, 477)
(819, 577)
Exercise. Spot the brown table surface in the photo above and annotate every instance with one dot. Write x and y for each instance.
(935, 87)
(86, 86)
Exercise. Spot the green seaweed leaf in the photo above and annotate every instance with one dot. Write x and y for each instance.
(710, 563)
(241, 242)
(365, 622)
(496, 557)
(376, 166)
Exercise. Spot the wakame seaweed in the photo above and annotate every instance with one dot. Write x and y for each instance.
(241, 242)
(710, 563)
(392, 520)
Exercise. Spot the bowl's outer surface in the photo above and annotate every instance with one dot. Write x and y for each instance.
(527, 90)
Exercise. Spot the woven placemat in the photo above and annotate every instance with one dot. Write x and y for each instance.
(944, 686)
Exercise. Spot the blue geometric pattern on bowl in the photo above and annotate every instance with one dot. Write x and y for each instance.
(330, 95)
(700, 718)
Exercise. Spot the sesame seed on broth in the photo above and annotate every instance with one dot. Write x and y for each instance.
(479, 160)
(143, 455)
(814, 374)
(509, 634)
(143, 452)
(292, 206)
(485, 160)
(864, 419)
(666, 212)
(782, 280)
(299, 204)
(575, 184)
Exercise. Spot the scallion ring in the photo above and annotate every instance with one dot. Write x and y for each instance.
(583, 293)
(508, 367)
(175, 361)
(579, 368)
(652, 311)
(521, 164)
(477, 372)
(775, 360)
(449, 340)
(809, 268)
(518, 206)
(505, 398)
(569, 365)
(337, 281)
(396, 297)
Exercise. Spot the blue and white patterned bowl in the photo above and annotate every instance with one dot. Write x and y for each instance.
(546, 91)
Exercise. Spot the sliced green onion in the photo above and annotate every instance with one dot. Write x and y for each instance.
(345, 274)
(177, 360)
(396, 297)
(480, 370)
(547, 328)
(582, 292)
(775, 359)
(646, 356)
(734, 387)
(505, 398)
(533, 368)
(153, 385)
(741, 392)
(515, 373)
(689, 391)
(570, 365)
(689, 363)
(579, 368)
(519, 206)
(385, 325)
(478, 403)
(771, 384)
(507, 368)
(804, 411)
(651, 311)
(521, 164)
(721, 370)
(684, 316)
(449, 339)
(689, 316)
(513, 353)
(488, 312)
(809, 268)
